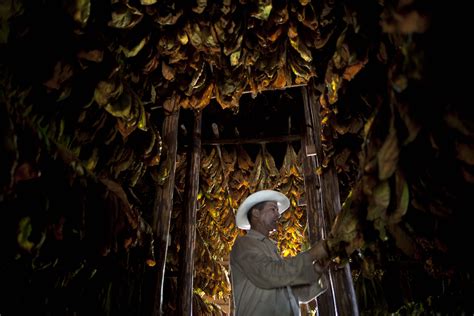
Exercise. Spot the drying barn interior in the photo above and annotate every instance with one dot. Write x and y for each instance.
(131, 130)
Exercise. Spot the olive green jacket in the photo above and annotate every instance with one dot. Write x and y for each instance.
(264, 283)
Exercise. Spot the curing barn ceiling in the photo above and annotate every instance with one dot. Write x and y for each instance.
(85, 88)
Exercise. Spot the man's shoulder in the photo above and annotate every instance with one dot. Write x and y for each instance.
(248, 240)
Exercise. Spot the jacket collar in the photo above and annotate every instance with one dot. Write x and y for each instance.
(259, 236)
(255, 234)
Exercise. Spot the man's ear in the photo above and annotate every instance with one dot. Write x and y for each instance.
(256, 212)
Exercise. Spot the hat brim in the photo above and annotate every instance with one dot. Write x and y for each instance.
(261, 196)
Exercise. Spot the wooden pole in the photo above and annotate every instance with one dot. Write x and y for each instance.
(163, 206)
(314, 203)
(186, 262)
(323, 204)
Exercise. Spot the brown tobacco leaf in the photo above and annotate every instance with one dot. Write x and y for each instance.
(352, 70)
(333, 83)
(460, 121)
(321, 37)
(61, 73)
(304, 2)
(124, 127)
(196, 35)
(267, 37)
(151, 65)
(95, 55)
(199, 101)
(412, 125)
(123, 219)
(387, 156)
(168, 14)
(200, 6)
(106, 91)
(302, 70)
(168, 45)
(346, 224)
(244, 161)
(465, 152)
(229, 158)
(200, 80)
(407, 22)
(346, 234)
(9, 154)
(468, 175)
(402, 239)
(148, 2)
(298, 44)
(78, 10)
(291, 166)
(230, 87)
(307, 16)
(342, 161)
(279, 13)
(26, 171)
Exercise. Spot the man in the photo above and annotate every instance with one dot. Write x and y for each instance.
(264, 283)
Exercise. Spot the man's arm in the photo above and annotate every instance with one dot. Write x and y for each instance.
(267, 272)
(306, 293)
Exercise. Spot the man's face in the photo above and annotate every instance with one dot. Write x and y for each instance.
(269, 216)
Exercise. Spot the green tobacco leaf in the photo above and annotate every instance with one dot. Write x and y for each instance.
(124, 16)
(122, 107)
(79, 10)
(24, 232)
(379, 200)
(133, 51)
(264, 10)
(8, 9)
(387, 157)
(107, 90)
(402, 196)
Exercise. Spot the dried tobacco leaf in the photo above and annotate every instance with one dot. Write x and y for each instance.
(378, 201)
(263, 10)
(124, 16)
(387, 155)
(79, 10)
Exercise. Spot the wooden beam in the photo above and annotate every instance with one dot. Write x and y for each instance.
(272, 89)
(314, 206)
(188, 241)
(340, 299)
(311, 179)
(163, 206)
(240, 141)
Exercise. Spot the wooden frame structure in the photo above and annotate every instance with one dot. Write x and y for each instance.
(322, 205)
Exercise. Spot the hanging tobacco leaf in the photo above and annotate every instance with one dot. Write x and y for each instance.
(124, 16)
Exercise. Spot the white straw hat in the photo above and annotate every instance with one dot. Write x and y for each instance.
(260, 196)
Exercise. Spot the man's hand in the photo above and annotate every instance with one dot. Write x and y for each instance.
(319, 251)
(321, 267)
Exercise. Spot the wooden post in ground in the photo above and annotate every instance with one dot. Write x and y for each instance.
(186, 260)
(164, 205)
(323, 204)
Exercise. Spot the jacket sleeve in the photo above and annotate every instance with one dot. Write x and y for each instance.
(267, 272)
(306, 293)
